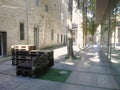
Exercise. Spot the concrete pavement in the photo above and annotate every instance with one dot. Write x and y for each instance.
(5, 58)
(115, 63)
(88, 73)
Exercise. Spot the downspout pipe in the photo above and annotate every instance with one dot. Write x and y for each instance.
(27, 31)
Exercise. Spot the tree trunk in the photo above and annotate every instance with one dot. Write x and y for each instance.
(69, 36)
(70, 45)
(84, 13)
(92, 39)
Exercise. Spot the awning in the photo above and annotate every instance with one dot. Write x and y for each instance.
(104, 9)
(101, 6)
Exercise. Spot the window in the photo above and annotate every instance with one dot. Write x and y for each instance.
(64, 39)
(36, 36)
(22, 32)
(58, 38)
(37, 2)
(52, 34)
(46, 8)
(61, 38)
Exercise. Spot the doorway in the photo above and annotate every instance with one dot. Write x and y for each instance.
(36, 37)
(3, 44)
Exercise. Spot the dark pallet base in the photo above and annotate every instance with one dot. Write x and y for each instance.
(28, 69)
(30, 62)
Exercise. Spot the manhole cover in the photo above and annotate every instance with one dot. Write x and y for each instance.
(63, 72)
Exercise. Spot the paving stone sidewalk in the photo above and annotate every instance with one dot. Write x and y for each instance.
(88, 73)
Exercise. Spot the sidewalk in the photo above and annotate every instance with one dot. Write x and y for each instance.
(115, 63)
(88, 73)
(91, 73)
(5, 58)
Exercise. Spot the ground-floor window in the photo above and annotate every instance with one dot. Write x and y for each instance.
(58, 38)
(22, 32)
(52, 34)
(61, 38)
(36, 36)
(3, 43)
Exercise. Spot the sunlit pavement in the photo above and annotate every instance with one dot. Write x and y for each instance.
(88, 73)
(91, 72)
(115, 63)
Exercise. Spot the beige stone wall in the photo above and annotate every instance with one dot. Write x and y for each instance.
(54, 19)
(13, 12)
(78, 20)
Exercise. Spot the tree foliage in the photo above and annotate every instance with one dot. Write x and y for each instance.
(88, 8)
(92, 27)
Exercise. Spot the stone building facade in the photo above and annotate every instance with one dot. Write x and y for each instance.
(77, 19)
(33, 22)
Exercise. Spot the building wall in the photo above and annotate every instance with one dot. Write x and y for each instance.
(12, 13)
(78, 20)
(34, 15)
(55, 21)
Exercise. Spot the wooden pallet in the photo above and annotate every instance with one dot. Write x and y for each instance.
(49, 53)
(20, 52)
(34, 68)
(23, 47)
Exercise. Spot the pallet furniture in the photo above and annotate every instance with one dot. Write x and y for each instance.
(49, 53)
(20, 52)
(31, 62)
(33, 68)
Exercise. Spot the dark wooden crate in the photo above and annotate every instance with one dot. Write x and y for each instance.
(49, 53)
(20, 51)
(37, 66)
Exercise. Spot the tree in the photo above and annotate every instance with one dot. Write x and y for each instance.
(87, 8)
(82, 6)
(69, 36)
(84, 13)
(92, 29)
(91, 24)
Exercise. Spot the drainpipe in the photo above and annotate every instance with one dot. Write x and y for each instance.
(27, 32)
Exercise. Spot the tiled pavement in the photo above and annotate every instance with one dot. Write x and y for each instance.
(88, 73)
